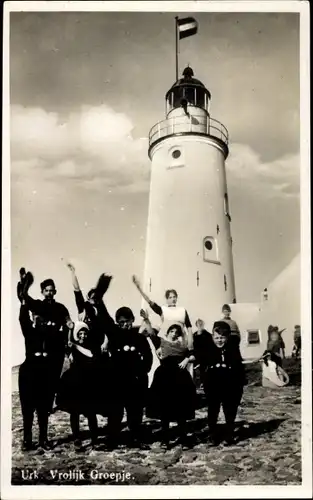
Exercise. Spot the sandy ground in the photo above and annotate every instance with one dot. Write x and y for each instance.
(268, 451)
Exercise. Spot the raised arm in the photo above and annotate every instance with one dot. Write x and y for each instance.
(74, 277)
(146, 326)
(32, 304)
(79, 298)
(155, 307)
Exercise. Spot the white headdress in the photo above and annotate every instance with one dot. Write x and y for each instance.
(78, 326)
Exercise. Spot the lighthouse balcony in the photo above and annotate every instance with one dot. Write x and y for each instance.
(185, 125)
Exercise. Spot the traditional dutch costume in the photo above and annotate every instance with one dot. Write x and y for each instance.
(79, 386)
(223, 384)
(130, 363)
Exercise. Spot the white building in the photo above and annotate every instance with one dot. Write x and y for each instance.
(281, 306)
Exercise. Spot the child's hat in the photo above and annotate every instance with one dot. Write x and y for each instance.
(222, 328)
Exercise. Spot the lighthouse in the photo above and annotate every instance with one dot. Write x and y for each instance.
(189, 244)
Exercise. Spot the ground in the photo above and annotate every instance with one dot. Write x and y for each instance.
(268, 451)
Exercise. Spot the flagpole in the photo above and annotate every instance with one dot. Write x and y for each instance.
(176, 45)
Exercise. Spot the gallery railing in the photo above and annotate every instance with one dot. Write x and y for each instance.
(183, 124)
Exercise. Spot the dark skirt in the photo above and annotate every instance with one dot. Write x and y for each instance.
(83, 389)
(172, 395)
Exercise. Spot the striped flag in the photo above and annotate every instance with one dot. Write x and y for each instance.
(187, 27)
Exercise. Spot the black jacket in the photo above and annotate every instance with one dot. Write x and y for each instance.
(224, 366)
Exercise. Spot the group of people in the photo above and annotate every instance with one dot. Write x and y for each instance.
(276, 344)
(110, 362)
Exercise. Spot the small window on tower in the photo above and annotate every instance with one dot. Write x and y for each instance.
(176, 157)
(253, 337)
(176, 154)
(208, 244)
(210, 250)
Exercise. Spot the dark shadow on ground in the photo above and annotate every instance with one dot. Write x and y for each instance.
(252, 430)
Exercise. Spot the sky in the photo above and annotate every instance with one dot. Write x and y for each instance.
(85, 89)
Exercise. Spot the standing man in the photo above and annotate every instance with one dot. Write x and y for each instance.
(55, 322)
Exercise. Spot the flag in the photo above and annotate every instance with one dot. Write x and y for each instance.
(187, 27)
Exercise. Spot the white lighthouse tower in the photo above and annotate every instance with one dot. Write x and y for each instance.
(189, 244)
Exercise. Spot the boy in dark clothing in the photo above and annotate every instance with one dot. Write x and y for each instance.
(130, 362)
(46, 346)
(224, 381)
(125, 375)
(202, 342)
(36, 385)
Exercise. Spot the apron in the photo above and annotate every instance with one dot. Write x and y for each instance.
(171, 315)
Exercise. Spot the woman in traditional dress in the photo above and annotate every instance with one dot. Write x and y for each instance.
(79, 386)
(169, 313)
(172, 395)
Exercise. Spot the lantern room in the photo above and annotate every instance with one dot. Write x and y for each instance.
(187, 91)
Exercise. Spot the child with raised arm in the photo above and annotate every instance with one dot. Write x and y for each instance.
(92, 310)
